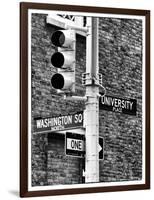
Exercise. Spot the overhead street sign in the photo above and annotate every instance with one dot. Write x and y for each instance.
(119, 105)
(74, 144)
(58, 123)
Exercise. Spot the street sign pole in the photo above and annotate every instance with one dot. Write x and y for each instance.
(92, 103)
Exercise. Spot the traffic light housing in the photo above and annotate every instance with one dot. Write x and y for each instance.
(64, 60)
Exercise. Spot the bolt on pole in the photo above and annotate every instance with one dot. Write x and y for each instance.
(92, 104)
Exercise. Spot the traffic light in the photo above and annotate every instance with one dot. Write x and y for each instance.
(64, 60)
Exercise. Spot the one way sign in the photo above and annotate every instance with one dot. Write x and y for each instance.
(101, 148)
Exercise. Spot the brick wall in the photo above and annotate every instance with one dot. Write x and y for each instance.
(62, 169)
(46, 103)
(120, 61)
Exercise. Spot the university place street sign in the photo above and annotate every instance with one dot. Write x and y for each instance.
(74, 144)
(119, 105)
(58, 123)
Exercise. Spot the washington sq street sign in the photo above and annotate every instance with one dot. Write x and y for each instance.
(58, 123)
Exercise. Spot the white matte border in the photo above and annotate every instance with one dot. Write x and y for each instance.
(85, 185)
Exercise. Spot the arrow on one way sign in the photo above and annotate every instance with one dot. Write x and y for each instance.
(101, 148)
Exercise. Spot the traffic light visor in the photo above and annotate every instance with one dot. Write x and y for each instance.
(58, 38)
(57, 81)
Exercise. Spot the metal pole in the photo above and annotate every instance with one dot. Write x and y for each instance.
(92, 106)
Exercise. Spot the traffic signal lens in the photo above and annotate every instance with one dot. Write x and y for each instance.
(57, 81)
(57, 59)
(58, 38)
